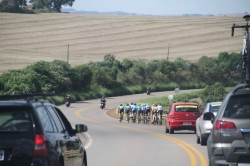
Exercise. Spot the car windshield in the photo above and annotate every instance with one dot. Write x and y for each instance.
(238, 108)
(14, 119)
(186, 108)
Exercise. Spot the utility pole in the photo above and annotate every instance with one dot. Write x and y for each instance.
(168, 50)
(68, 55)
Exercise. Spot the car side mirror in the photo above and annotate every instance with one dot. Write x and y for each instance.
(81, 128)
(209, 116)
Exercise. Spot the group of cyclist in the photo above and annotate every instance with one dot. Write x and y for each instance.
(141, 113)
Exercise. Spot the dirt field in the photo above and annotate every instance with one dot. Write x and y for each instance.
(28, 38)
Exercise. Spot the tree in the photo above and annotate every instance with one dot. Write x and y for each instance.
(213, 93)
(52, 4)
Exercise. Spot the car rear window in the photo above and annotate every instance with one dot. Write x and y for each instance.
(186, 108)
(238, 107)
(214, 107)
(15, 119)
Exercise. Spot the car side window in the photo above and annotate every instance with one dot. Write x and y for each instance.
(45, 119)
(57, 121)
(65, 121)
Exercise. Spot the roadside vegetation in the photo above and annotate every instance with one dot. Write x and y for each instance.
(111, 77)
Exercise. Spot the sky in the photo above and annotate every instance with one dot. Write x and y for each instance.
(164, 7)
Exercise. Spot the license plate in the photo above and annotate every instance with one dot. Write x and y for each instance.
(243, 164)
(187, 123)
(1, 155)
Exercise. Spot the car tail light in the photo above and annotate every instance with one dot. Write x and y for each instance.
(224, 125)
(40, 149)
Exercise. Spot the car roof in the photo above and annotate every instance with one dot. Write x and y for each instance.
(217, 102)
(184, 103)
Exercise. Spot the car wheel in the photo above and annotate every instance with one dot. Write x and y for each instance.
(197, 139)
(203, 141)
(167, 130)
(171, 131)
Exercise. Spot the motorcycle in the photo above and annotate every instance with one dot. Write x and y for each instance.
(67, 103)
(102, 105)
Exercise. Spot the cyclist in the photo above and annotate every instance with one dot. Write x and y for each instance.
(139, 113)
(154, 112)
(148, 110)
(121, 112)
(160, 112)
(127, 109)
(134, 111)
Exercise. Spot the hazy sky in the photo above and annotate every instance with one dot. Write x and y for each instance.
(165, 7)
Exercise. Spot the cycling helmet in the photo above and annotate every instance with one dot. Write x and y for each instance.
(139, 104)
(120, 104)
(131, 103)
(127, 104)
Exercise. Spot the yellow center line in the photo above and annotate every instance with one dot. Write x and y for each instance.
(182, 144)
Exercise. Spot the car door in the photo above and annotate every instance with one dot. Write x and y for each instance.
(73, 142)
(64, 145)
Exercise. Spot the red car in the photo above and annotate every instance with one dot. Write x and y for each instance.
(182, 116)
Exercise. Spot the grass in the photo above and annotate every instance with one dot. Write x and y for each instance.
(28, 38)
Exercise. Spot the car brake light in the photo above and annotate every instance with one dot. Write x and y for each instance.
(224, 125)
(40, 149)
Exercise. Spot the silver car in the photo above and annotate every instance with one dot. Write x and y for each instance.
(203, 123)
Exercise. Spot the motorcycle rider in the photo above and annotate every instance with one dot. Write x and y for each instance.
(103, 101)
(68, 99)
(149, 90)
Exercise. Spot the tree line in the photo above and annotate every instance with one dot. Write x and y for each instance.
(117, 76)
(17, 6)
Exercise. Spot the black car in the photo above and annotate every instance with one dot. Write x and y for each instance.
(34, 132)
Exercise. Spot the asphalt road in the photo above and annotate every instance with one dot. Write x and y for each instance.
(113, 143)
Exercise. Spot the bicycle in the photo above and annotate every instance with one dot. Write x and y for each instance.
(127, 116)
(159, 119)
(245, 57)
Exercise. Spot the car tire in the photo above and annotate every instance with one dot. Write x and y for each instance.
(171, 131)
(167, 130)
(203, 141)
(197, 139)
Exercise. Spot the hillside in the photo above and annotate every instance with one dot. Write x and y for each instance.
(28, 38)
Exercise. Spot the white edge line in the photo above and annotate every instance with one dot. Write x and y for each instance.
(89, 140)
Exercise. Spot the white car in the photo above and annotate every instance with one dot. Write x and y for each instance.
(203, 123)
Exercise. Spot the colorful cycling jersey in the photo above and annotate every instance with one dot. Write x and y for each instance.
(148, 107)
(134, 108)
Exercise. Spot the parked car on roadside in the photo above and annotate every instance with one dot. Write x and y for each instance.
(203, 123)
(182, 116)
(34, 132)
(229, 141)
